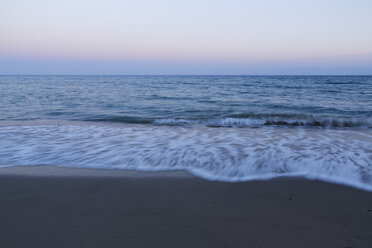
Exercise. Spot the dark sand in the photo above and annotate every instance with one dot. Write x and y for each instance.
(57, 207)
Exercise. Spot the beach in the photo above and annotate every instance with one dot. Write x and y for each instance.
(185, 124)
(44, 206)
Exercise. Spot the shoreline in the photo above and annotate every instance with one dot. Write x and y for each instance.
(67, 171)
(45, 206)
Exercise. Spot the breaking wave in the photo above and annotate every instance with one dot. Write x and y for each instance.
(249, 121)
(324, 122)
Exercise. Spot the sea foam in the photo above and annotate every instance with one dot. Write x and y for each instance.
(223, 154)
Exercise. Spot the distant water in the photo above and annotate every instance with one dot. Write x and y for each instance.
(228, 128)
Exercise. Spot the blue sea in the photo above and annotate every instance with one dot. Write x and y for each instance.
(225, 128)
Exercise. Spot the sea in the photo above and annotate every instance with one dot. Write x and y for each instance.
(223, 128)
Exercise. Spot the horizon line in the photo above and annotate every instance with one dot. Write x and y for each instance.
(186, 75)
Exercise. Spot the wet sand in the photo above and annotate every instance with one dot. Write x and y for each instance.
(58, 207)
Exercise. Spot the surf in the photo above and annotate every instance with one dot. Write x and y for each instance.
(222, 154)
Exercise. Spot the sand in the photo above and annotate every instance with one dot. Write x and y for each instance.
(58, 207)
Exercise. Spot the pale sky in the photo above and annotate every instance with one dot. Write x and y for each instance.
(186, 37)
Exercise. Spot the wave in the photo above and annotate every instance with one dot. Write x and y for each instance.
(325, 122)
(223, 154)
(249, 120)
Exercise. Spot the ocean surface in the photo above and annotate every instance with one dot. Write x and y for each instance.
(226, 128)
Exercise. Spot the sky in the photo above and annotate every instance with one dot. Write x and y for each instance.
(185, 37)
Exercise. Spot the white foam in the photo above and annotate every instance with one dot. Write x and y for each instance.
(224, 154)
(305, 121)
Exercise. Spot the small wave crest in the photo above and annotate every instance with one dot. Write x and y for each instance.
(324, 122)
